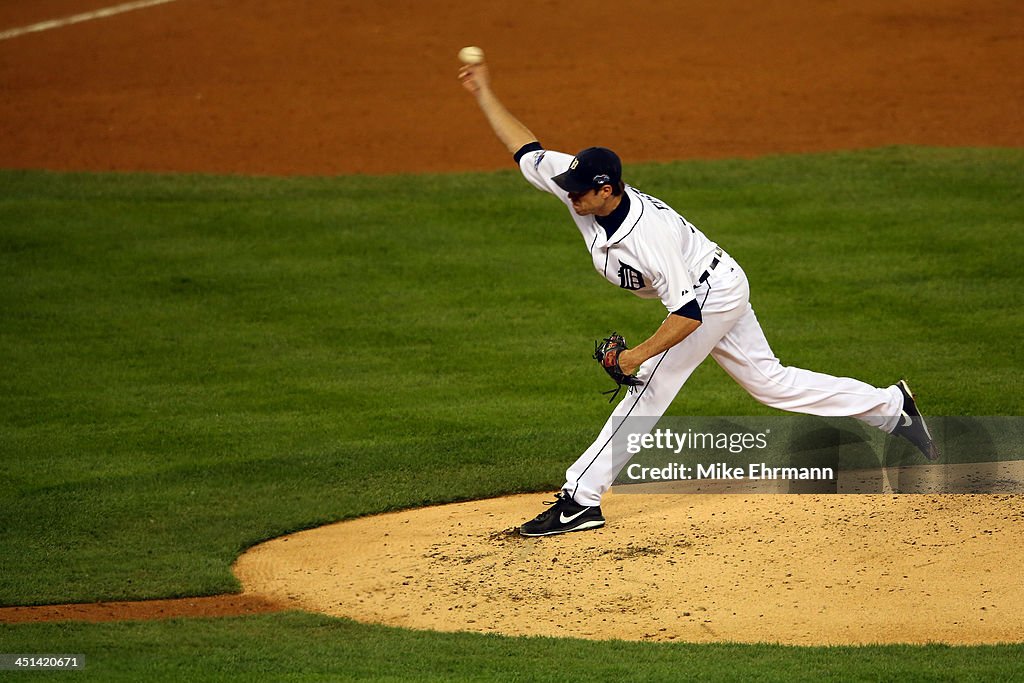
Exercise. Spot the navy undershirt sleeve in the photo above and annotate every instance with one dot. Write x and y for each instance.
(690, 310)
(526, 149)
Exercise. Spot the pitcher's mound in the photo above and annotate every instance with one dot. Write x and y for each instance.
(795, 569)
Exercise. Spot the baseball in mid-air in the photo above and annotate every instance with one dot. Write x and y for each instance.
(471, 55)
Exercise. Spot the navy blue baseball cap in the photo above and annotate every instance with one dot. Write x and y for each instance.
(590, 170)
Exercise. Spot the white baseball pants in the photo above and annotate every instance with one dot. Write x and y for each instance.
(731, 334)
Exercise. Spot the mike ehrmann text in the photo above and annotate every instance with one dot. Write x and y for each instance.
(721, 470)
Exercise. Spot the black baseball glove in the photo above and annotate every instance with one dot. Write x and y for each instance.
(606, 352)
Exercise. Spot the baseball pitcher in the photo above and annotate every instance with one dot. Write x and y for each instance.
(639, 243)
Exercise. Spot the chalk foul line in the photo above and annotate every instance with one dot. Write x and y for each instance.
(79, 18)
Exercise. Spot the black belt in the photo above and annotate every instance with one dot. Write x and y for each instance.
(714, 263)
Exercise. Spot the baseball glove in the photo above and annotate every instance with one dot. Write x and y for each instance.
(606, 352)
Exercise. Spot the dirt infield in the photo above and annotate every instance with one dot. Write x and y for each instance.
(319, 87)
(144, 610)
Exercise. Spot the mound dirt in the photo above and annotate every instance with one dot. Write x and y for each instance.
(793, 569)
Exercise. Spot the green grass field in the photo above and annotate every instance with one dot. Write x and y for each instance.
(194, 364)
(298, 647)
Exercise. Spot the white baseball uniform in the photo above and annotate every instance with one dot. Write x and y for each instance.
(656, 253)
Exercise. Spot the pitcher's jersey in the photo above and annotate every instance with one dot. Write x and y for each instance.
(655, 253)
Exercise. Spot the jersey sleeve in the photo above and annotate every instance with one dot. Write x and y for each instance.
(670, 277)
(540, 165)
